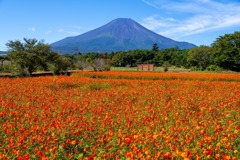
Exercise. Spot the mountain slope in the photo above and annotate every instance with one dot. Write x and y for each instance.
(3, 52)
(119, 34)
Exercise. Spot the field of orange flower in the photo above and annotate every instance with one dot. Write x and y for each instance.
(121, 115)
(161, 76)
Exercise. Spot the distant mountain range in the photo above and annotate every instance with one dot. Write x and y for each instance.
(3, 52)
(121, 34)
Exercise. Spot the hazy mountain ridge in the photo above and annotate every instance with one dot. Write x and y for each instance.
(3, 52)
(119, 34)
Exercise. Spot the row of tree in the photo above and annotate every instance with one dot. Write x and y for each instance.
(223, 54)
(33, 55)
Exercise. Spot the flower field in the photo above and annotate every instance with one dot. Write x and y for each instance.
(121, 115)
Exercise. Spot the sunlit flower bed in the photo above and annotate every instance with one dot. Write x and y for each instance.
(161, 76)
(81, 117)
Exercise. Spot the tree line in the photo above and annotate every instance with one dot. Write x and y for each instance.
(33, 55)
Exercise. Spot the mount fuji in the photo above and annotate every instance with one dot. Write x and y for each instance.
(121, 34)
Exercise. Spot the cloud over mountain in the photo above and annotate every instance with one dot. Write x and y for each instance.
(194, 16)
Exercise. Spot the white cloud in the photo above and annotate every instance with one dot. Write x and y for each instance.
(154, 22)
(32, 29)
(48, 32)
(196, 16)
(149, 3)
(60, 30)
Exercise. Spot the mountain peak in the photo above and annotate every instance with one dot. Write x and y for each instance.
(119, 34)
(123, 19)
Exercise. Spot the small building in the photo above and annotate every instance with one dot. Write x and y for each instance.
(145, 67)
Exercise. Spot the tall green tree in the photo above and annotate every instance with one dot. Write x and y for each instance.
(226, 51)
(2, 59)
(199, 57)
(60, 64)
(118, 59)
(29, 55)
(155, 47)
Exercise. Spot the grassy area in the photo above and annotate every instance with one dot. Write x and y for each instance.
(127, 69)
(157, 69)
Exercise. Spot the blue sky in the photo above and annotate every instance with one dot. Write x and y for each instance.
(195, 21)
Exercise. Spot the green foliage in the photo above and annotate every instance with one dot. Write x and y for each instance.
(5, 64)
(199, 58)
(132, 58)
(119, 59)
(33, 55)
(226, 51)
(1, 63)
(214, 68)
(6, 68)
(155, 47)
(101, 64)
(166, 65)
(106, 67)
(61, 64)
(28, 56)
